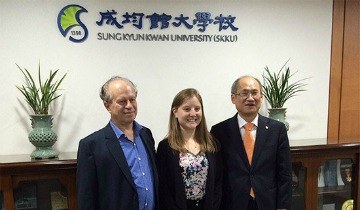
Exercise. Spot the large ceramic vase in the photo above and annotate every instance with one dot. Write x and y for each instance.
(279, 115)
(42, 137)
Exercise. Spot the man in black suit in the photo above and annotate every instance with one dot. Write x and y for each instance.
(262, 181)
(116, 164)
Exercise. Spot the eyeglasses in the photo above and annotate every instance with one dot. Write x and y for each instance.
(246, 94)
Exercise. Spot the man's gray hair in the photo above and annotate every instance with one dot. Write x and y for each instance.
(235, 83)
(104, 90)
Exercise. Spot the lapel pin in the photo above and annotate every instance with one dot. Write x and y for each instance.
(266, 127)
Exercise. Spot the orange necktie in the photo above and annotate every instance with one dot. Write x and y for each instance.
(249, 146)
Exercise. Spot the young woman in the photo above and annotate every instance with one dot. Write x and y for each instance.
(188, 164)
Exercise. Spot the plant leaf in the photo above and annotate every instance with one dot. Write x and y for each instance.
(278, 88)
(39, 99)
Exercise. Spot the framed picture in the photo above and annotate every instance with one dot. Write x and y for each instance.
(58, 201)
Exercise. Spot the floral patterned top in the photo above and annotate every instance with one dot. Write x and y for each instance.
(194, 173)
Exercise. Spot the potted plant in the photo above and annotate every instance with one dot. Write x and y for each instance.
(278, 88)
(39, 96)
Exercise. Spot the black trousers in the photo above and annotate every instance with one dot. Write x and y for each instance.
(252, 204)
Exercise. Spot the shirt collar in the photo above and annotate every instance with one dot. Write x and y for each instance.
(242, 122)
(118, 132)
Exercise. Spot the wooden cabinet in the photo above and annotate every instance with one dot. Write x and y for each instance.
(310, 191)
(38, 184)
(325, 176)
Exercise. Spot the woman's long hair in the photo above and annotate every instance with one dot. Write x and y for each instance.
(202, 135)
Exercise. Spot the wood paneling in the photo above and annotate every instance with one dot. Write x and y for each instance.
(350, 92)
(344, 98)
(335, 71)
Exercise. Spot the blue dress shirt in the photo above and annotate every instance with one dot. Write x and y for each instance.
(139, 165)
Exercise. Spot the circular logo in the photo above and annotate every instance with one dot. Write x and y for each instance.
(70, 25)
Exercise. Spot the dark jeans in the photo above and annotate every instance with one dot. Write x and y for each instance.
(195, 204)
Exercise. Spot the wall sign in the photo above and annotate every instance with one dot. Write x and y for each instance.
(69, 24)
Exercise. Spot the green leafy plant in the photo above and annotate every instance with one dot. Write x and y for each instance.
(278, 88)
(39, 96)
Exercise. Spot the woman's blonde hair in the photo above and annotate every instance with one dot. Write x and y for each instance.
(202, 135)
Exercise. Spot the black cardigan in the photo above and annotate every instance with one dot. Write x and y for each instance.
(171, 187)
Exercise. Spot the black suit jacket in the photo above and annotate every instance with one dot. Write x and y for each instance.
(171, 186)
(103, 178)
(270, 172)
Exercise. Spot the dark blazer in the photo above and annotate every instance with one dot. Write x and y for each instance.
(103, 178)
(270, 172)
(171, 187)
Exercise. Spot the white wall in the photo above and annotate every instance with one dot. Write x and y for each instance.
(270, 32)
